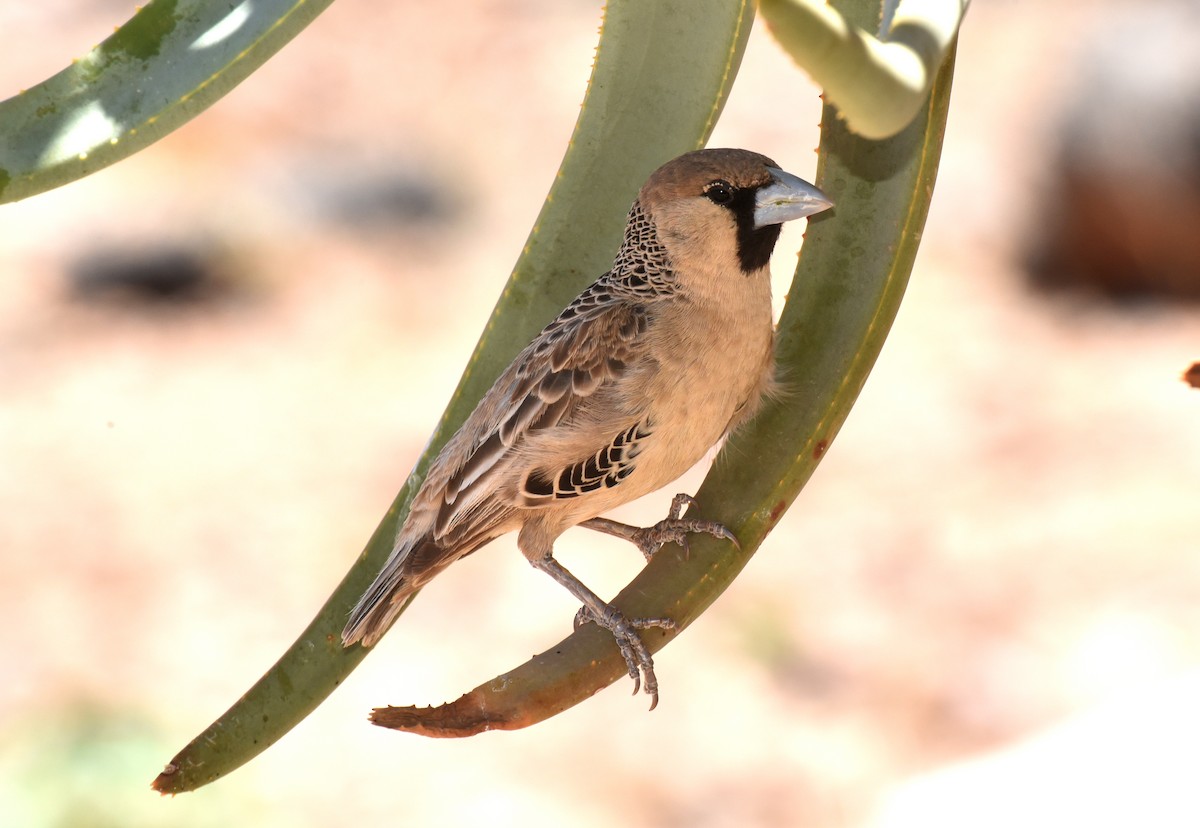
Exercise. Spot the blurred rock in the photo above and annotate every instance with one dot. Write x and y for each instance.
(1122, 215)
(163, 274)
(388, 198)
(1192, 375)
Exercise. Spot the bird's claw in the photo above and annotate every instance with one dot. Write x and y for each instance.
(637, 656)
(586, 616)
(672, 529)
(676, 529)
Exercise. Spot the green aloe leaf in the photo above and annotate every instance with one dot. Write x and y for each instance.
(878, 84)
(662, 73)
(847, 288)
(170, 62)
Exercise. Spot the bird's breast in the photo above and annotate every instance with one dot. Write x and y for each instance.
(708, 362)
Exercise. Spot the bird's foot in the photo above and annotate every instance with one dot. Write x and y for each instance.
(671, 529)
(675, 529)
(624, 630)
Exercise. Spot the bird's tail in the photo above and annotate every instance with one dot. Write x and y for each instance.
(415, 559)
(388, 594)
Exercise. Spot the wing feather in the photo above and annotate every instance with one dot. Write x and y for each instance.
(611, 464)
(590, 344)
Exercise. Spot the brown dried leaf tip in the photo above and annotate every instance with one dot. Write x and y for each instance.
(160, 782)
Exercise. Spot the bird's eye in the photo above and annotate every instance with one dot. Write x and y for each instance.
(719, 192)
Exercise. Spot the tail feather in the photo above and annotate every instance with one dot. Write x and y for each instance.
(412, 564)
(387, 595)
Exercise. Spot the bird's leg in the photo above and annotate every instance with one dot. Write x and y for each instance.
(672, 529)
(624, 630)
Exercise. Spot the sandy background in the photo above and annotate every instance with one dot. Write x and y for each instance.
(984, 610)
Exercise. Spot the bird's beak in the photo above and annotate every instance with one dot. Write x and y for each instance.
(787, 198)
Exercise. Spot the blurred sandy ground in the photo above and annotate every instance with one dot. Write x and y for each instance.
(984, 610)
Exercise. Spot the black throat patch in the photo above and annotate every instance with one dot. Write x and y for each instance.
(754, 246)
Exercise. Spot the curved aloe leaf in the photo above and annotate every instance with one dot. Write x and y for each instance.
(661, 76)
(847, 289)
(170, 62)
(878, 85)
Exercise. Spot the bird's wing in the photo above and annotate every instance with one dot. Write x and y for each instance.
(591, 343)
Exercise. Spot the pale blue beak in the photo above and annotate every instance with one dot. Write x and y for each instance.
(788, 198)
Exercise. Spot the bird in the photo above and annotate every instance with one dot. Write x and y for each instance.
(644, 372)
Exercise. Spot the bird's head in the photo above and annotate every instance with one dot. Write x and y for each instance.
(725, 204)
